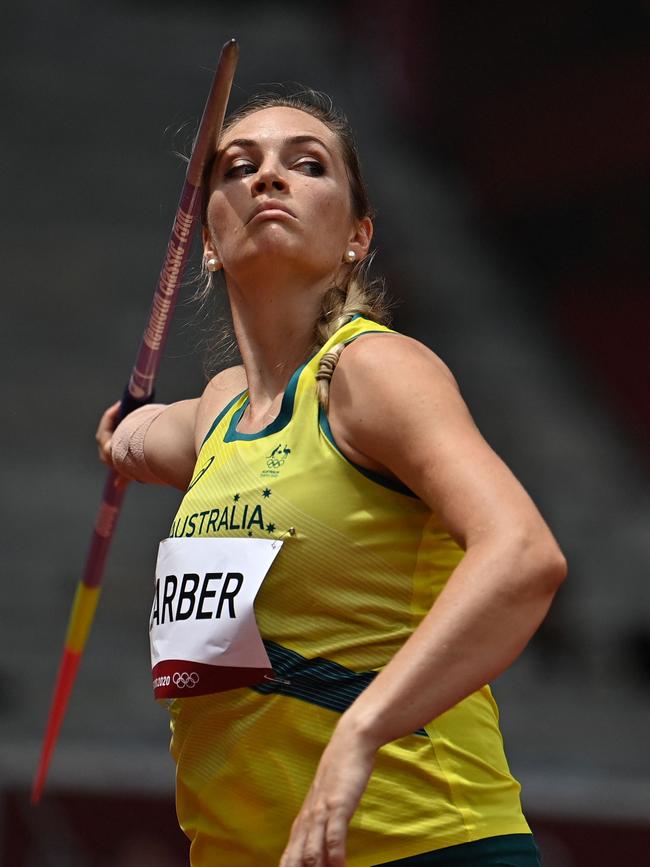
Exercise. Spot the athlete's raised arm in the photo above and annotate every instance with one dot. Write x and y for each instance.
(153, 444)
(158, 443)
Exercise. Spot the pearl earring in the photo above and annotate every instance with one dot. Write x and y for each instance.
(350, 256)
(212, 264)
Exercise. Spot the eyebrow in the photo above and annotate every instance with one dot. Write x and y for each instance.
(292, 140)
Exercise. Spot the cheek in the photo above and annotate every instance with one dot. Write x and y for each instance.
(332, 212)
(220, 216)
(336, 226)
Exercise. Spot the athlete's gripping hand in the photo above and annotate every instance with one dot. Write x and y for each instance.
(104, 433)
(319, 832)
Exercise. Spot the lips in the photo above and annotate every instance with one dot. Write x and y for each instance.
(271, 205)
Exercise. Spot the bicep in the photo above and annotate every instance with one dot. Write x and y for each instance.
(452, 468)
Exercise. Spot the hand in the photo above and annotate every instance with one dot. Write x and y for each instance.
(104, 438)
(319, 832)
(104, 433)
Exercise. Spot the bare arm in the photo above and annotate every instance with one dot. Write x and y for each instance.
(153, 444)
(395, 408)
(501, 590)
(159, 444)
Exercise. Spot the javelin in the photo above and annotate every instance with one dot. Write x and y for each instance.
(138, 392)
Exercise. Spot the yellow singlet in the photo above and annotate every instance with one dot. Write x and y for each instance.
(362, 562)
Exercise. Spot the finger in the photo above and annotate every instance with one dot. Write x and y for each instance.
(121, 482)
(292, 849)
(110, 415)
(313, 851)
(104, 449)
(305, 846)
(335, 839)
(107, 422)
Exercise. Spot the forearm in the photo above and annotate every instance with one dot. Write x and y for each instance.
(485, 616)
(155, 444)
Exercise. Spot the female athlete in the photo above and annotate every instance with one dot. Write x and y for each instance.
(411, 568)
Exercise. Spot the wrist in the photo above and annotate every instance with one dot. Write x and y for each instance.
(361, 727)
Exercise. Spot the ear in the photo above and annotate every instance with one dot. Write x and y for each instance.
(360, 239)
(209, 251)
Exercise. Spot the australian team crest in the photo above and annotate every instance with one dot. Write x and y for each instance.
(276, 460)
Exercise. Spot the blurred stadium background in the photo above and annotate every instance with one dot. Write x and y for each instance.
(506, 146)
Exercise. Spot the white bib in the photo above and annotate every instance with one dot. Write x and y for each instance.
(203, 633)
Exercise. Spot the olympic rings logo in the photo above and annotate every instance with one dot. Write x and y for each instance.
(184, 679)
(278, 456)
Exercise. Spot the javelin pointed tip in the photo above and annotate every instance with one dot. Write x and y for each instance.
(67, 673)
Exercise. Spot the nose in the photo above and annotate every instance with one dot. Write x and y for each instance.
(268, 178)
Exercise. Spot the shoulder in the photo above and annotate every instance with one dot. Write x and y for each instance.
(218, 393)
(398, 410)
(386, 361)
(387, 391)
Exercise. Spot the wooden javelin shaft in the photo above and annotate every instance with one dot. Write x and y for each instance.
(138, 392)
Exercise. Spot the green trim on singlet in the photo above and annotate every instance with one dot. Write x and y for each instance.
(317, 681)
(391, 484)
(281, 421)
(323, 421)
(286, 410)
(221, 415)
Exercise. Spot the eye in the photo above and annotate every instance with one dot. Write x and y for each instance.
(311, 167)
(240, 170)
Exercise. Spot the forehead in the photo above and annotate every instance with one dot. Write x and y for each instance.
(271, 124)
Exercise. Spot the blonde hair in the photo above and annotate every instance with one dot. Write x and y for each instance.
(358, 293)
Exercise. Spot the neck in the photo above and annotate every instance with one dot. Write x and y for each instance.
(274, 326)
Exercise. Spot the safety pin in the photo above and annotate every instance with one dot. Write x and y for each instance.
(277, 679)
(290, 532)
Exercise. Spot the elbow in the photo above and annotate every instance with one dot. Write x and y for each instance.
(555, 569)
(533, 561)
(527, 562)
(544, 566)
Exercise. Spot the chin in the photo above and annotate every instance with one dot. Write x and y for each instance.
(274, 247)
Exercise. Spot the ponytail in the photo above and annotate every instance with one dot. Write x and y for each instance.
(361, 296)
